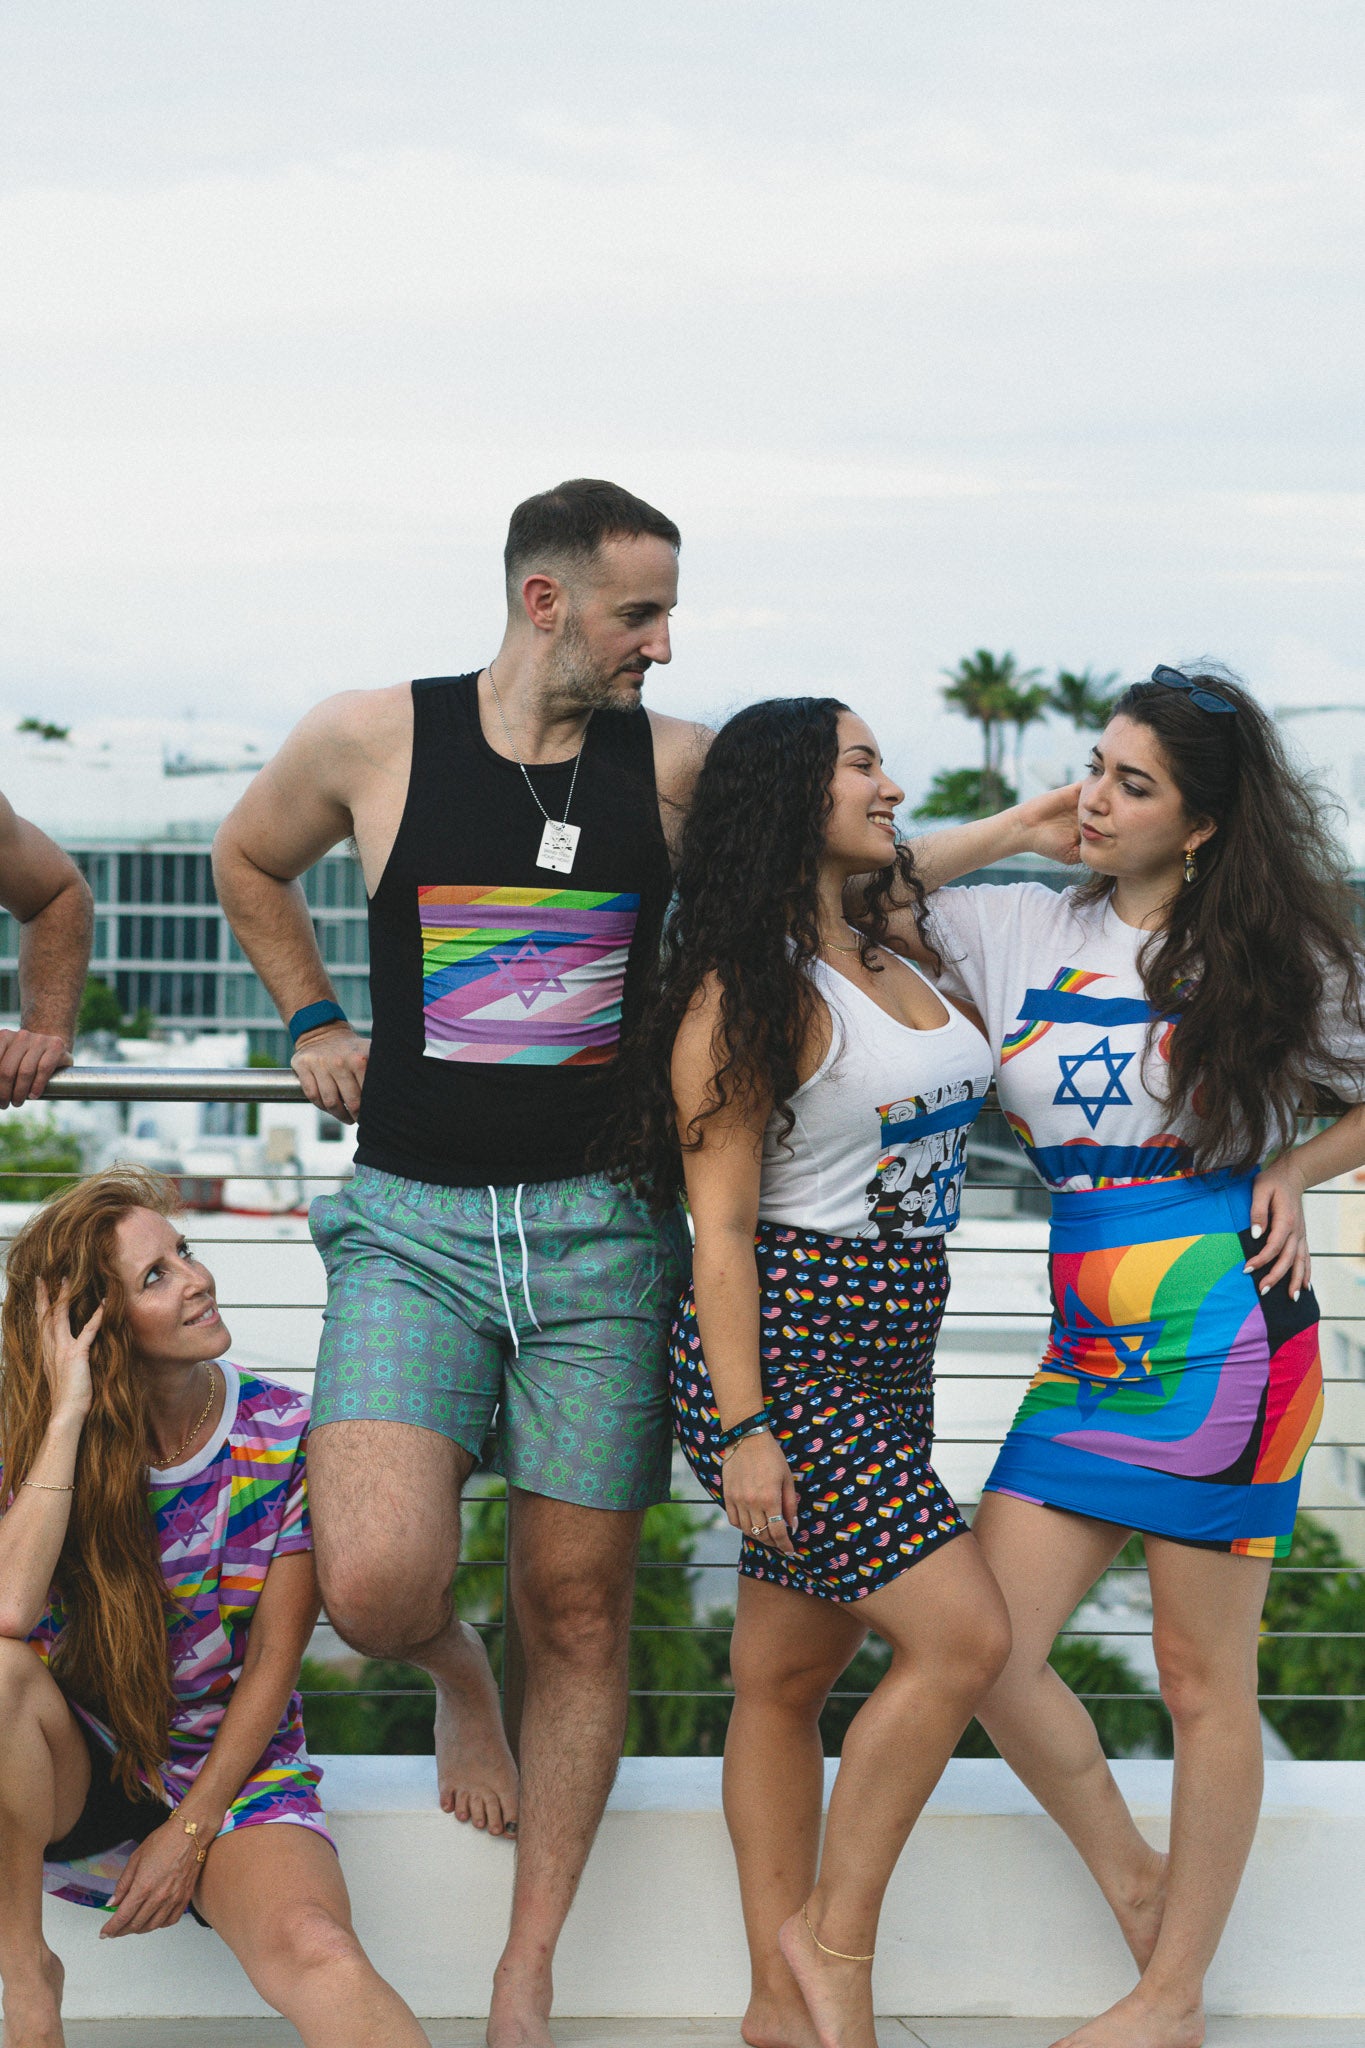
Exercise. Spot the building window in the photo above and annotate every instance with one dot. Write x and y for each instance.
(226, 1119)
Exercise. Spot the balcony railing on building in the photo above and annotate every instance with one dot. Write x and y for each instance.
(1313, 1644)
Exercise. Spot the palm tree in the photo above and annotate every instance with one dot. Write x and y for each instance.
(1029, 707)
(1083, 697)
(992, 690)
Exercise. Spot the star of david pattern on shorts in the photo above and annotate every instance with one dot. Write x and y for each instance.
(417, 1328)
(846, 1340)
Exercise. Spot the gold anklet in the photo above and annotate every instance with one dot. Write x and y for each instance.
(841, 1953)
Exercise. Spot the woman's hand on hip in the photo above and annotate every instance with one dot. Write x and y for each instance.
(66, 1359)
(1277, 1219)
(157, 1883)
(759, 1491)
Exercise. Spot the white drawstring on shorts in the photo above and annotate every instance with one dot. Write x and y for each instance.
(525, 1266)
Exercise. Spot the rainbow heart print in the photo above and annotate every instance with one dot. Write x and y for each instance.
(524, 977)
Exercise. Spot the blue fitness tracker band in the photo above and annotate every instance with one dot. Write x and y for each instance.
(313, 1014)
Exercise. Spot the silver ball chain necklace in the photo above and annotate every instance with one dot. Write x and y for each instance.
(559, 840)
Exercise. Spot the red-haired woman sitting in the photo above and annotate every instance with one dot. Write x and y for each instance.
(156, 1594)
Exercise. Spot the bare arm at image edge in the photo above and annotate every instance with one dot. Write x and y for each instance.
(45, 892)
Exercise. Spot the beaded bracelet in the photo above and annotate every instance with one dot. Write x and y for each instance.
(752, 1425)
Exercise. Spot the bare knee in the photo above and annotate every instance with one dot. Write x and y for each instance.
(969, 1660)
(780, 1676)
(1193, 1687)
(381, 1614)
(23, 1680)
(579, 1622)
(309, 1941)
(979, 1657)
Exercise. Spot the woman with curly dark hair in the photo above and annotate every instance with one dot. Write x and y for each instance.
(156, 1594)
(815, 1093)
(1156, 1032)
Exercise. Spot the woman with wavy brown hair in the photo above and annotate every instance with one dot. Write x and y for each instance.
(815, 1094)
(1156, 1032)
(156, 1594)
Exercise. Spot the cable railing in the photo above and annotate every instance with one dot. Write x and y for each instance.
(1317, 1595)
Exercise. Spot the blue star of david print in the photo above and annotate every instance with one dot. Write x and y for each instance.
(943, 1181)
(1132, 1344)
(1113, 1094)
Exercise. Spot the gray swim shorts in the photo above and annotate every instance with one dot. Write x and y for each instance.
(541, 1311)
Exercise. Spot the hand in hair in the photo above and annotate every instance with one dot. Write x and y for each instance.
(1050, 824)
(66, 1358)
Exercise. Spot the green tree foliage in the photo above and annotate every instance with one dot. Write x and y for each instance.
(963, 793)
(35, 1159)
(140, 1025)
(996, 694)
(44, 729)
(99, 1009)
(1083, 697)
(1313, 1641)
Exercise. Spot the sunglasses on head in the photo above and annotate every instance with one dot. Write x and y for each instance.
(1207, 700)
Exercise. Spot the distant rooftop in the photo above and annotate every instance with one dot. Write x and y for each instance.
(139, 779)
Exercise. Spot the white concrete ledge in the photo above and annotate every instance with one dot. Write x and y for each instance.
(990, 1911)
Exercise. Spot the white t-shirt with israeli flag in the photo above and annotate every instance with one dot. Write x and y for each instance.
(1079, 1056)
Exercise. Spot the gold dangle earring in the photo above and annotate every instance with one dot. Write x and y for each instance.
(1191, 871)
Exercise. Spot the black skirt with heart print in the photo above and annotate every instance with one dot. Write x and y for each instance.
(847, 1330)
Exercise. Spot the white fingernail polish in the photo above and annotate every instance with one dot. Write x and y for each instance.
(1266, 1288)
(1257, 1231)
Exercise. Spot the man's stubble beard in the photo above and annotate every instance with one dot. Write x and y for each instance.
(577, 672)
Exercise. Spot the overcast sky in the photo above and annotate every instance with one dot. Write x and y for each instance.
(934, 326)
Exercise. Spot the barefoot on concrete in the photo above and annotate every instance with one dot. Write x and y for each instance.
(519, 2016)
(474, 1767)
(1141, 2021)
(33, 2008)
(838, 1994)
(778, 2023)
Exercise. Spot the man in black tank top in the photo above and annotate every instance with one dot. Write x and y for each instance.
(513, 825)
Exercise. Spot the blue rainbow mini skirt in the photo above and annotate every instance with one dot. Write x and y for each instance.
(1173, 1397)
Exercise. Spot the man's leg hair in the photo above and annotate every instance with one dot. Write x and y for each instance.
(389, 1595)
(572, 1576)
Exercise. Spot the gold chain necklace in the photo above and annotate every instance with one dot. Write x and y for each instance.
(203, 1418)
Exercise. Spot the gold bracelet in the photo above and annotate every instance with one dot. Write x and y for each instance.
(191, 1828)
(44, 1486)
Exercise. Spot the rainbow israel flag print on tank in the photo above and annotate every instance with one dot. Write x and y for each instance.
(524, 977)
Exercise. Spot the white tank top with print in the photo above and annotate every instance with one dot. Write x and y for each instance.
(878, 1146)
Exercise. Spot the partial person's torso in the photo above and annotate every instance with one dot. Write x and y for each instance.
(221, 1518)
(1080, 1059)
(500, 989)
(878, 1144)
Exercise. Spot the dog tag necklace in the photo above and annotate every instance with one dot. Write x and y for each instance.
(559, 840)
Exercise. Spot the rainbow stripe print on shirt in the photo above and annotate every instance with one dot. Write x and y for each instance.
(1039, 1012)
(524, 977)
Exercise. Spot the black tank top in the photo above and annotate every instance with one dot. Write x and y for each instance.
(499, 989)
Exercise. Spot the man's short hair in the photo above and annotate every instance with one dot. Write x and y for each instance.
(566, 526)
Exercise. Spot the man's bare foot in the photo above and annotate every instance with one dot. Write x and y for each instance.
(474, 1767)
(519, 2016)
(838, 1994)
(33, 2009)
(773, 2022)
(1139, 1916)
(1140, 2021)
